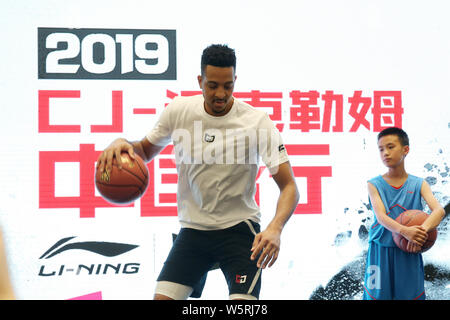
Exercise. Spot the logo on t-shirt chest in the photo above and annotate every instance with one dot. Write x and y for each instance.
(209, 138)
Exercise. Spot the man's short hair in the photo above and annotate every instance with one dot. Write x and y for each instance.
(400, 133)
(218, 55)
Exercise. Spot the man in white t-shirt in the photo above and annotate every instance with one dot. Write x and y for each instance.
(218, 142)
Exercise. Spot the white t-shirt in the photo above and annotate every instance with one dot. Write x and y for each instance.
(217, 160)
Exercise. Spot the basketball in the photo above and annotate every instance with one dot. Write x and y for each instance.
(413, 218)
(121, 186)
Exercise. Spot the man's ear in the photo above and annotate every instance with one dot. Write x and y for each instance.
(200, 81)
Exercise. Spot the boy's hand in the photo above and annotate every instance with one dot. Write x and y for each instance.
(415, 234)
(412, 247)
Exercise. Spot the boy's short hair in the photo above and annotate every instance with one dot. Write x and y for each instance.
(218, 55)
(400, 133)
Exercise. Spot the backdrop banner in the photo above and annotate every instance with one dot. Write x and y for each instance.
(330, 74)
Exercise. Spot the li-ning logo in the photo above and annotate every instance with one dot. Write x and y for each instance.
(106, 249)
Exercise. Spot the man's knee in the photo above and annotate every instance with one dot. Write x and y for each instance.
(158, 296)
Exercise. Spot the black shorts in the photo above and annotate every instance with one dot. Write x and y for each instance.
(195, 252)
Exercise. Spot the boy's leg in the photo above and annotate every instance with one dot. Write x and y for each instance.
(409, 276)
(378, 276)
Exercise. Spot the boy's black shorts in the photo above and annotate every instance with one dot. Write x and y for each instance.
(195, 252)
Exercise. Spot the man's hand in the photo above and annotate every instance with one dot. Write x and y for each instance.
(268, 244)
(114, 150)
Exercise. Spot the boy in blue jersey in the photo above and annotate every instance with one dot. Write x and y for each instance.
(390, 272)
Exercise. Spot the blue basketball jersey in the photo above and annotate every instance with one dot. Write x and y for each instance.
(395, 200)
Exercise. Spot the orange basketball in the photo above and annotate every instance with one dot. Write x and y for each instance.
(121, 186)
(412, 218)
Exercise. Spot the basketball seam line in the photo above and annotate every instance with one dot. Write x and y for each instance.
(130, 172)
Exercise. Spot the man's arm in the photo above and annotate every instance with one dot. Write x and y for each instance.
(6, 289)
(146, 150)
(268, 241)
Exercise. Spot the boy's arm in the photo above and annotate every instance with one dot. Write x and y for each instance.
(415, 234)
(437, 211)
